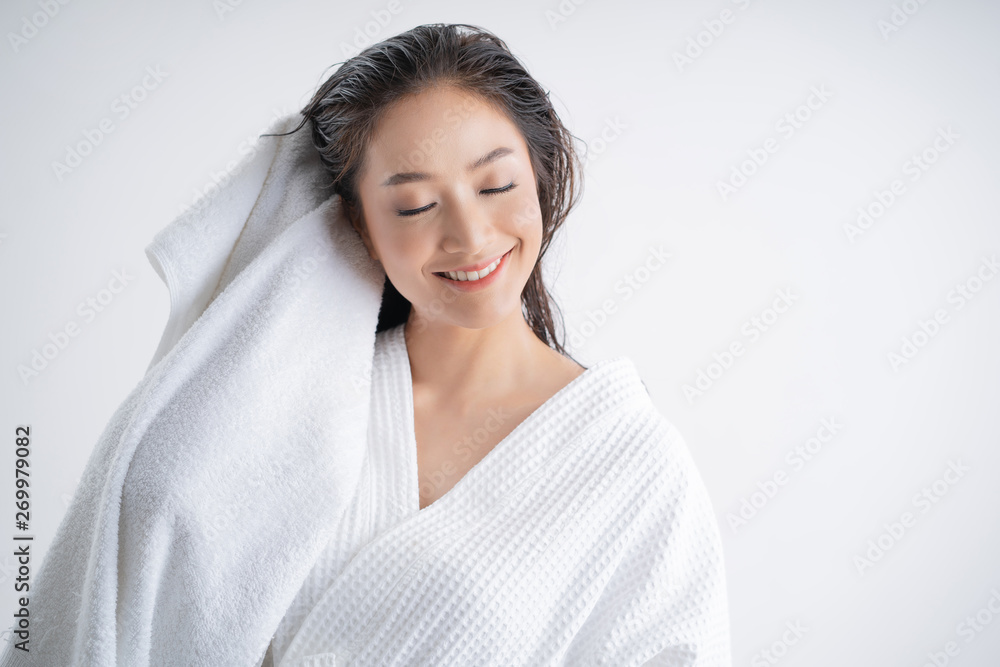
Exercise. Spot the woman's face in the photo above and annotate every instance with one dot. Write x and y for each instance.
(449, 185)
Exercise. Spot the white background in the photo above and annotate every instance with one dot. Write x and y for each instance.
(673, 131)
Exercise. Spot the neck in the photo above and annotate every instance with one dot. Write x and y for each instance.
(465, 367)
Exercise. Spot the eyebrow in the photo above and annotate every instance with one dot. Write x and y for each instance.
(413, 176)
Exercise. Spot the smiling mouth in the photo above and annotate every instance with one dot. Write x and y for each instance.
(473, 276)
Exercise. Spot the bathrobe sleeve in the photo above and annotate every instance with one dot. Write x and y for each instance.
(665, 603)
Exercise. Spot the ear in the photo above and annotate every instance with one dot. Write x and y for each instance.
(358, 223)
(363, 231)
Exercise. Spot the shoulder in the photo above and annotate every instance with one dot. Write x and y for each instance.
(638, 430)
(614, 385)
(635, 428)
(675, 521)
(678, 476)
(671, 567)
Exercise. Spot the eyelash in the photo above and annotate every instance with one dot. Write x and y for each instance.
(492, 191)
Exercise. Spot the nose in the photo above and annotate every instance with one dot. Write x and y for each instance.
(467, 230)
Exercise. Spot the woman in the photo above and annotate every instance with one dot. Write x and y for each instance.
(515, 507)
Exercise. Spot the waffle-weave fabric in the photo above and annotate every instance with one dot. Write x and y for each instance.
(585, 537)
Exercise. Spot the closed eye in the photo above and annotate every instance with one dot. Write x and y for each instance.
(491, 191)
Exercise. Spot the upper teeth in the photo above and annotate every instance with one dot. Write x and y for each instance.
(473, 275)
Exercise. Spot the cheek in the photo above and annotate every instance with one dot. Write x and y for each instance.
(401, 251)
(525, 215)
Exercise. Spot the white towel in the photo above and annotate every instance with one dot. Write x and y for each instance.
(217, 482)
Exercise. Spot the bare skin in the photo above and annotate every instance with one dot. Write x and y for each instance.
(472, 354)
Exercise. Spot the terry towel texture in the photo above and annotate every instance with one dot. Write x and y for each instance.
(218, 480)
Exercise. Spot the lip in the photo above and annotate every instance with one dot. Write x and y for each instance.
(475, 267)
(483, 283)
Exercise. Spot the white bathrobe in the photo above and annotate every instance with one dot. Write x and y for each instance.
(585, 537)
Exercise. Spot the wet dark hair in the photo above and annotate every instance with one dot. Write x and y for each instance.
(346, 109)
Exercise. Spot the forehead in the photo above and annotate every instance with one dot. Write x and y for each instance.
(439, 129)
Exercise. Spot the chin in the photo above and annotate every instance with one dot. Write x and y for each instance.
(471, 315)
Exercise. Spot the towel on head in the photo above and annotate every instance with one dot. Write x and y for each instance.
(217, 482)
